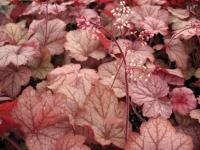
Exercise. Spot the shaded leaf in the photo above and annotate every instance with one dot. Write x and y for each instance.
(171, 76)
(192, 130)
(12, 78)
(41, 66)
(177, 52)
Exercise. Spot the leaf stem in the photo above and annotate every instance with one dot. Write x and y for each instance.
(13, 143)
(126, 78)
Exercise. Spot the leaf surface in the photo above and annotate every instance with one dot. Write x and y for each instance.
(12, 78)
(159, 134)
(105, 115)
(151, 94)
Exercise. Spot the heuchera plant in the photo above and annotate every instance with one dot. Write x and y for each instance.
(100, 74)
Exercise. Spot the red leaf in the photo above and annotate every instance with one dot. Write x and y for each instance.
(18, 11)
(6, 122)
(104, 40)
(159, 134)
(6, 107)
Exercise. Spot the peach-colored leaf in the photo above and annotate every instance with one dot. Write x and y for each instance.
(81, 44)
(51, 36)
(71, 142)
(180, 13)
(4, 2)
(159, 134)
(16, 33)
(105, 115)
(43, 118)
(177, 52)
(12, 78)
(107, 73)
(151, 94)
(195, 114)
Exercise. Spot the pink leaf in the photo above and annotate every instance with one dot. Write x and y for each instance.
(71, 142)
(141, 12)
(159, 134)
(155, 26)
(177, 52)
(152, 2)
(73, 82)
(12, 78)
(151, 94)
(52, 37)
(186, 29)
(136, 52)
(183, 100)
(43, 118)
(105, 115)
(17, 55)
(46, 138)
(81, 44)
